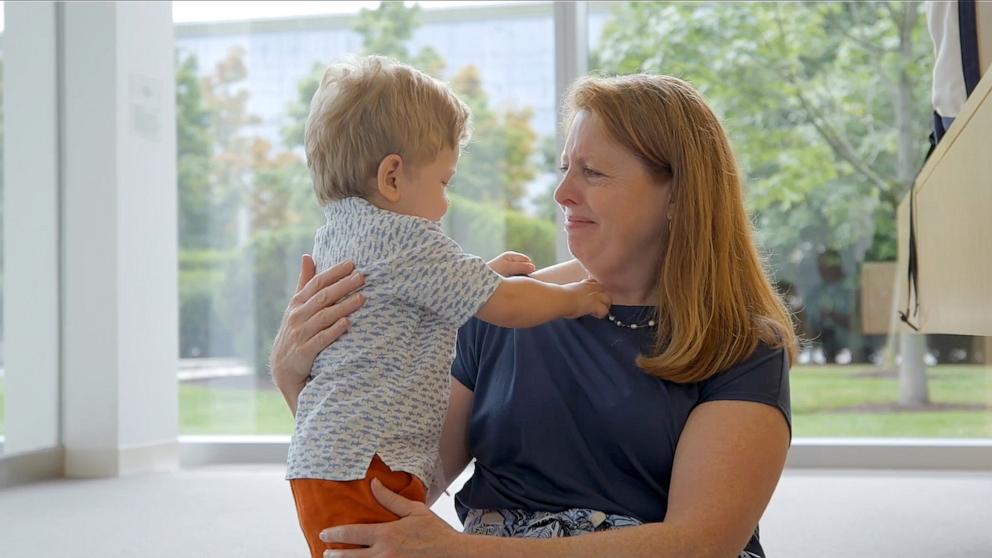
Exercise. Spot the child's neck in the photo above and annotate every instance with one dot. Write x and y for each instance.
(396, 207)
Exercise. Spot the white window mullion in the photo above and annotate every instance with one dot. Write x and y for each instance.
(571, 62)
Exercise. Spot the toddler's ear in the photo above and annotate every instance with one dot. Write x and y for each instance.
(388, 176)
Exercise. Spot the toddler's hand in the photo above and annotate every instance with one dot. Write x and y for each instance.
(590, 299)
(508, 264)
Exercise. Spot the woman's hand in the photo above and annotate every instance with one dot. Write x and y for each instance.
(418, 532)
(316, 316)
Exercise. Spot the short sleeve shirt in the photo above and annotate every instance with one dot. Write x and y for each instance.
(563, 418)
(383, 387)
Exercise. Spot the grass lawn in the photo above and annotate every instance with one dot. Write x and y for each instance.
(820, 395)
(206, 410)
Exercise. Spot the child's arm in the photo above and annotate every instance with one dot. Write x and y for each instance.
(526, 302)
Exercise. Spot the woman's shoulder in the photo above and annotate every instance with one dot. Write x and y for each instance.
(765, 362)
(762, 377)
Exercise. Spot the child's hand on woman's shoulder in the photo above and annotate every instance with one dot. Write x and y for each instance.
(590, 299)
(509, 264)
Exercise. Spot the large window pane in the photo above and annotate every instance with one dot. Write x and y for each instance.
(247, 211)
(3, 412)
(827, 105)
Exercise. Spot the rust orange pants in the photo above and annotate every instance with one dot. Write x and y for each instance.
(324, 503)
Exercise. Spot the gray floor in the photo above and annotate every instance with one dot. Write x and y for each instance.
(246, 511)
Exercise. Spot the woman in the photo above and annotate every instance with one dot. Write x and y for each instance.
(661, 431)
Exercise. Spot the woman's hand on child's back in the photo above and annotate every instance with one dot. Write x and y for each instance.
(316, 316)
(590, 299)
(509, 264)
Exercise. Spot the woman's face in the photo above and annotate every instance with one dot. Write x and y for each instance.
(616, 211)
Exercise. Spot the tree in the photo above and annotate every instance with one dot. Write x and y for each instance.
(500, 159)
(826, 106)
(248, 209)
(503, 146)
(231, 185)
(202, 210)
(386, 30)
(193, 155)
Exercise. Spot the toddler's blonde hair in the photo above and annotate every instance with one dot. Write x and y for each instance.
(372, 107)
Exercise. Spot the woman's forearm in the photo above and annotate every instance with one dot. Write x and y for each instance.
(565, 272)
(653, 540)
(291, 393)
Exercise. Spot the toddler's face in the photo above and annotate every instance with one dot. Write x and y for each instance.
(425, 192)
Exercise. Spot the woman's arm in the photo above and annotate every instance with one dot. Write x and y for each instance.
(455, 454)
(727, 463)
(565, 272)
(728, 460)
(316, 316)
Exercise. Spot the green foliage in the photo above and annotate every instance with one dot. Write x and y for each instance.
(487, 231)
(501, 157)
(827, 107)
(258, 285)
(247, 209)
(299, 108)
(386, 30)
(230, 184)
(203, 329)
(193, 150)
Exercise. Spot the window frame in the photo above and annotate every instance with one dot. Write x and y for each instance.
(571, 46)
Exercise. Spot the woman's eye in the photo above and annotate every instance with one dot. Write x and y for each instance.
(563, 168)
(590, 172)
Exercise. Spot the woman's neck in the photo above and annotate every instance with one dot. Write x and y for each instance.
(633, 287)
(637, 297)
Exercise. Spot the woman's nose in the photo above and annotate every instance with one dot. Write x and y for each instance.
(565, 193)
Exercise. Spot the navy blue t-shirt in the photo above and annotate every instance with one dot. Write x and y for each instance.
(563, 417)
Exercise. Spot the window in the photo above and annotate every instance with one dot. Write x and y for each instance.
(3, 412)
(828, 109)
(246, 208)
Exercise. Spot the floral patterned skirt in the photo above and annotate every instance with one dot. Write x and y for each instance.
(549, 525)
(542, 524)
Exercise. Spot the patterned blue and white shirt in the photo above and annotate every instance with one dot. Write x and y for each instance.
(383, 387)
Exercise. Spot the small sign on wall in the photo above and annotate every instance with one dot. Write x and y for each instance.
(145, 104)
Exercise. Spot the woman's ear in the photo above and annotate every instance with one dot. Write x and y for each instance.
(388, 176)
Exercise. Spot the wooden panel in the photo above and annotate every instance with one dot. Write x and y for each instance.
(877, 312)
(954, 225)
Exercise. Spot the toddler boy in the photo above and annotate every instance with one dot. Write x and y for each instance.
(382, 143)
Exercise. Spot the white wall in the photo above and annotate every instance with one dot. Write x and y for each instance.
(31, 228)
(147, 241)
(120, 294)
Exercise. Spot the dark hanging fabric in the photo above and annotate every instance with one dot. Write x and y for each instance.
(968, 34)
